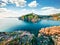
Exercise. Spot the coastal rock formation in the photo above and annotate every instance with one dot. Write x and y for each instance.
(16, 38)
(30, 18)
(52, 32)
(36, 18)
(56, 16)
(46, 36)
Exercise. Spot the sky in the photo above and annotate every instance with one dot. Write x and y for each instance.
(16, 8)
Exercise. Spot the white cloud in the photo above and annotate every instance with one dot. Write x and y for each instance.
(3, 10)
(33, 4)
(48, 10)
(3, 4)
(5, 1)
(27, 11)
(7, 13)
(18, 3)
(43, 11)
(24, 11)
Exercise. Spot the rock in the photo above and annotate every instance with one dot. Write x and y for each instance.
(53, 32)
(50, 30)
(17, 38)
(30, 18)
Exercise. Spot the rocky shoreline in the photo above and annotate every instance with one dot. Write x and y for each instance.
(46, 36)
(53, 32)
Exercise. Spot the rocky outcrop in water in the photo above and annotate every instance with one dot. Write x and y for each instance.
(46, 36)
(16, 38)
(30, 18)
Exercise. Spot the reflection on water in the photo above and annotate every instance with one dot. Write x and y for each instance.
(13, 24)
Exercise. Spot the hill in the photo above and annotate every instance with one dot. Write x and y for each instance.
(30, 18)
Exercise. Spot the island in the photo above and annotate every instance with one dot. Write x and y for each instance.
(34, 18)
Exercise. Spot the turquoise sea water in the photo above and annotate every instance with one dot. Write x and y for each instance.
(13, 24)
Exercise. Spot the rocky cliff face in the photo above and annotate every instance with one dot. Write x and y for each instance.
(46, 36)
(32, 18)
(53, 32)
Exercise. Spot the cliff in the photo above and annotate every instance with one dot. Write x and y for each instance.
(53, 32)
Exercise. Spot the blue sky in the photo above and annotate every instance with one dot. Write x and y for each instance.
(41, 3)
(43, 7)
(54, 3)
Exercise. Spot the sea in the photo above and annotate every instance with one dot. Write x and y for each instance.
(13, 24)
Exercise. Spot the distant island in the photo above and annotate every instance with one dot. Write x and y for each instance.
(56, 16)
(30, 18)
(36, 18)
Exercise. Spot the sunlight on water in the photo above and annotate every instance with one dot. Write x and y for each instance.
(13, 24)
(6, 23)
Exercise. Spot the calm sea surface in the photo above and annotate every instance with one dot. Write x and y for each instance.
(13, 24)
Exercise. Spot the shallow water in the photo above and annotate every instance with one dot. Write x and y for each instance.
(13, 24)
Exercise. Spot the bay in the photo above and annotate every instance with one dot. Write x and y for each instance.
(13, 24)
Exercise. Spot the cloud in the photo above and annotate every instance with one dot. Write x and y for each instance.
(3, 4)
(21, 3)
(7, 13)
(3, 10)
(43, 11)
(48, 10)
(5, 1)
(18, 3)
(24, 11)
(33, 4)
(27, 11)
